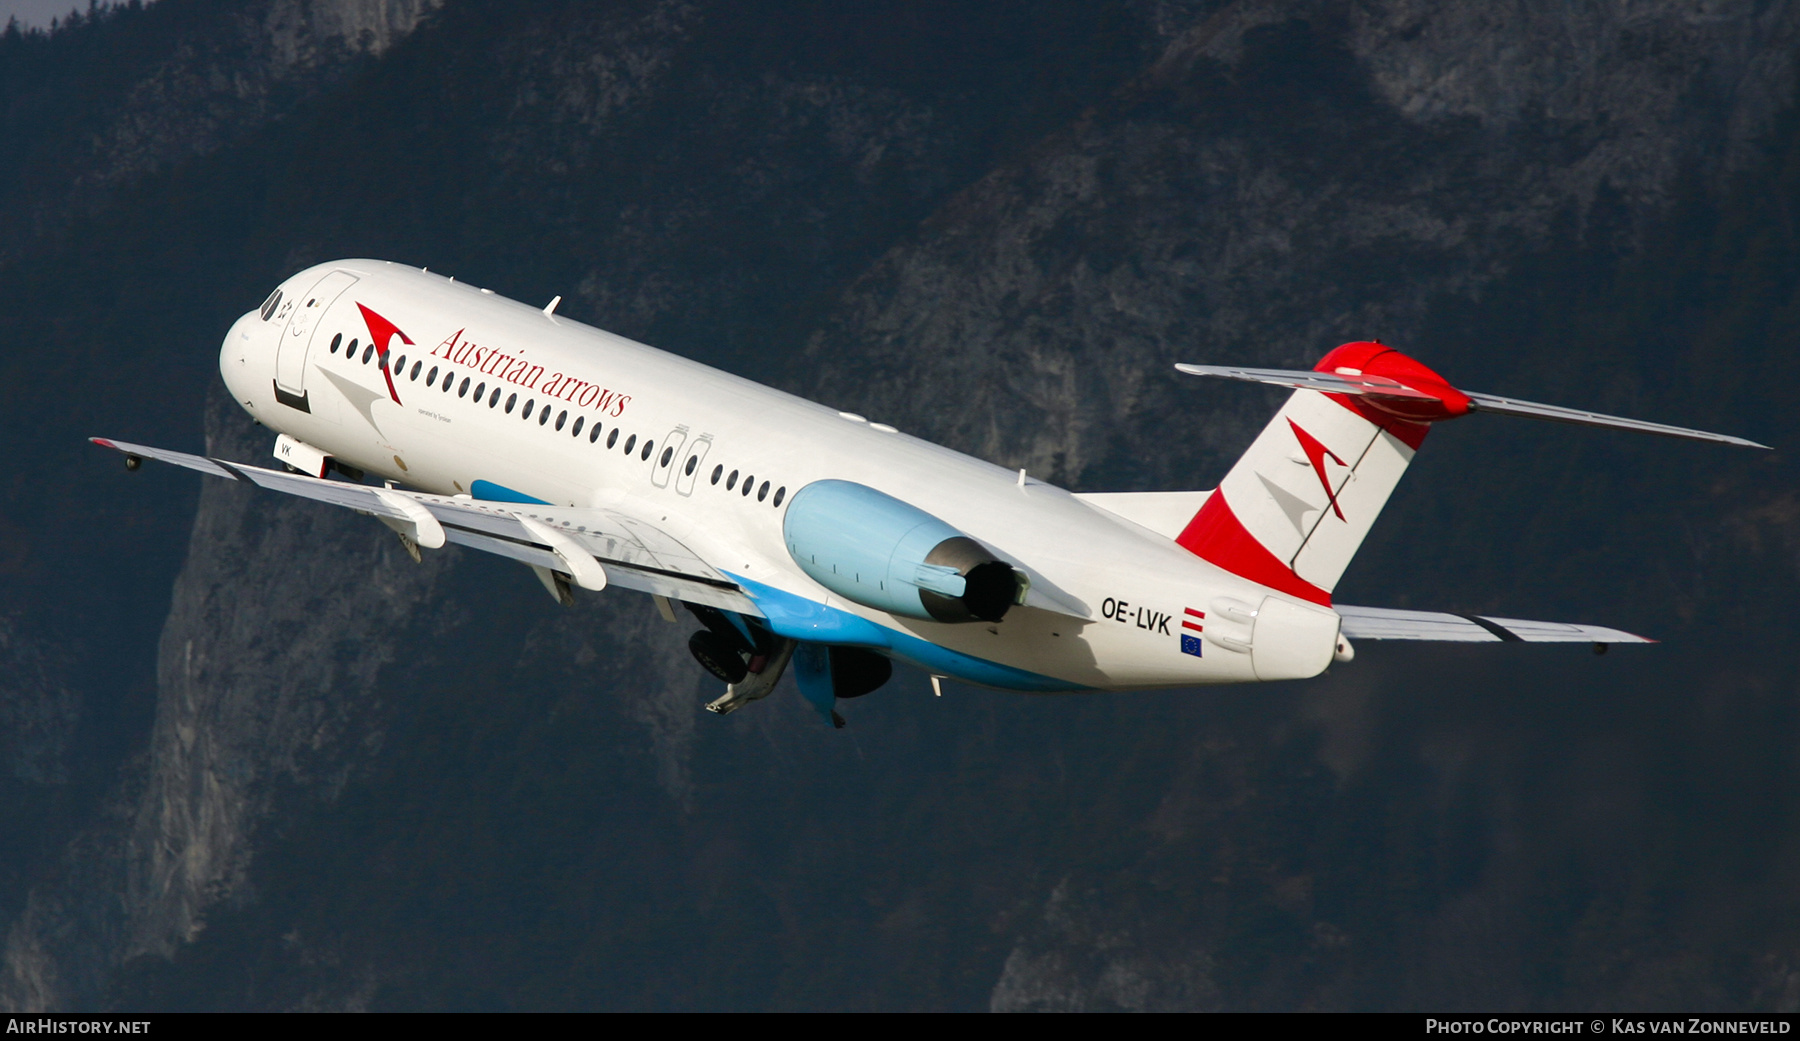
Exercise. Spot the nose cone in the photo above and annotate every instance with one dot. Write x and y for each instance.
(237, 356)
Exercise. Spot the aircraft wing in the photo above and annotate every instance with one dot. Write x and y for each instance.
(595, 547)
(1384, 623)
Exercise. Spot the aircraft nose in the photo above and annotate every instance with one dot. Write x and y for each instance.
(235, 354)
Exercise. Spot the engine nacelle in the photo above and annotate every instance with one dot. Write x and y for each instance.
(873, 549)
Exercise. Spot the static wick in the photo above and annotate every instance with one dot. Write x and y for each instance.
(550, 308)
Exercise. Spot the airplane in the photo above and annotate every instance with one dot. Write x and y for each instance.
(802, 538)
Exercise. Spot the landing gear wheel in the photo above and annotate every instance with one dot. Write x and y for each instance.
(718, 656)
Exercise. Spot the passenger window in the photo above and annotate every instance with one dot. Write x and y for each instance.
(749, 483)
(525, 413)
(350, 351)
(336, 342)
(400, 366)
(544, 416)
(449, 378)
(717, 470)
(415, 371)
(368, 352)
(630, 443)
(575, 431)
(561, 418)
(649, 446)
(494, 398)
(613, 437)
(668, 454)
(431, 377)
(731, 482)
(693, 461)
(511, 400)
(780, 494)
(463, 391)
(593, 436)
(763, 492)
(480, 390)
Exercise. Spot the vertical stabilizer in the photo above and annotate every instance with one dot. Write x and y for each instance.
(1294, 509)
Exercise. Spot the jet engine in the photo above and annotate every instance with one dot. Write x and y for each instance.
(873, 549)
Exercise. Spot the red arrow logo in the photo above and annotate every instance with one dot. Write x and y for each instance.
(1315, 454)
(381, 331)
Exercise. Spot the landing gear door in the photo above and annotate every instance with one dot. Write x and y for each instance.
(669, 458)
(296, 339)
(692, 464)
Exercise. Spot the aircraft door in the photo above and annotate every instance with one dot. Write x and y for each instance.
(692, 464)
(669, 457)
(296, 339)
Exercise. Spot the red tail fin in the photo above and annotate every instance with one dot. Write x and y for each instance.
(1295, 508)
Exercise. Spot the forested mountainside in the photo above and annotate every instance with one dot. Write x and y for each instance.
(252, 756)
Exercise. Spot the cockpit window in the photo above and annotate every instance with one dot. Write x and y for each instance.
(269, 305)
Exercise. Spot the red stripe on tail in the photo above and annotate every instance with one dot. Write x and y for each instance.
(1216, 536)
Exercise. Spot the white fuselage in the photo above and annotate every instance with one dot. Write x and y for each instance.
(1137, 585)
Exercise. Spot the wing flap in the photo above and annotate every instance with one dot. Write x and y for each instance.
(635, 554)
(1386, 623)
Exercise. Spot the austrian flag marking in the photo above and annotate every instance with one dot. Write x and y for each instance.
(1192, 624)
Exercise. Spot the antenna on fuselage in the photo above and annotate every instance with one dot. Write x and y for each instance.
(550, 308)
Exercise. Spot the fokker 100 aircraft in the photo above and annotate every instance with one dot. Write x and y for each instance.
(803, 537)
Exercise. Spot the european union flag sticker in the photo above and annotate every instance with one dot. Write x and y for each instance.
(1190, 645)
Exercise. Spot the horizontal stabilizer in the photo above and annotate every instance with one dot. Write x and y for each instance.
(1307, 379)
(1558, 414)
(1380, 388)
(1383, 623)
